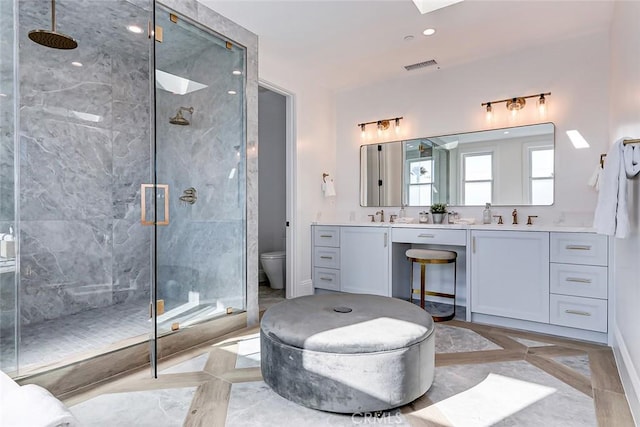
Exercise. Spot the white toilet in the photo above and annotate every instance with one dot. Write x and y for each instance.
(273, 264)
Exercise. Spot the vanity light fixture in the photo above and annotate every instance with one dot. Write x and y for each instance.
(517, 103)
(382, 126)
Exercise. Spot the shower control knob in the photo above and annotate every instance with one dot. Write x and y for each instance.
(190, 195)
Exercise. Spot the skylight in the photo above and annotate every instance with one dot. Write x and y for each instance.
(426, 6)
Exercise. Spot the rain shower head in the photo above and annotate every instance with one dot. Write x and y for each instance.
(179, 119)
(51, 38)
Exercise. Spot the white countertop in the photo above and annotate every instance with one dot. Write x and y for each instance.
(502, 227)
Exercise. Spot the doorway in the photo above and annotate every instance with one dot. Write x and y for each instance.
(276, 186)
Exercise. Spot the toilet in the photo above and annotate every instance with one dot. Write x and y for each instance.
(273, 264)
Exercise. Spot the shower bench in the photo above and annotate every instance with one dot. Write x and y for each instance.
(347, 353)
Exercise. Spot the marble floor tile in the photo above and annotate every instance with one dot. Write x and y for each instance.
(530, 343)
(254, 404)
(450, 339)
(577, 363)
(152, 408)
(249, 352)
(565, 406)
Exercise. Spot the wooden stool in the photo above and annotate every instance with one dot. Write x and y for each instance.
(432, 256)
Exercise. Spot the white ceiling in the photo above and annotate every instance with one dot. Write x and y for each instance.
(350, 43)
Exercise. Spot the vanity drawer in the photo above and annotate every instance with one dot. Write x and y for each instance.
(326, 278)
(326, 257)
(579, 280)
(434, 236)
(578, 312)
(326, 236)
(579, 248)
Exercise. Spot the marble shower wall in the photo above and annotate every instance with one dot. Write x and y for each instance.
(84, 151)
(202, 249)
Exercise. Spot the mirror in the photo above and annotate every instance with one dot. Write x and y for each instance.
(510, 166)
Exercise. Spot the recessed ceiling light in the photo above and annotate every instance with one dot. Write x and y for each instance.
(76, 64)
(232, 92)
(236, 72)
(506, 132)
(3, 94)
(134, 29)
(429, 32)
(408, 38)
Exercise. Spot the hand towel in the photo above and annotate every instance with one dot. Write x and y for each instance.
(631, 154)
(594, 181)
(33, 406)
(611, 216)
(329, 189)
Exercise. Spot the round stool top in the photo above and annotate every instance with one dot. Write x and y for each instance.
(431, 254)
(347, 323)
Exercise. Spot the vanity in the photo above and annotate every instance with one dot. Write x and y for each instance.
(552, 280)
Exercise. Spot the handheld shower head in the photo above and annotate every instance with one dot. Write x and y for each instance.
(179, 119)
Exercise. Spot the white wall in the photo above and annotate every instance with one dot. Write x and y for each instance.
(625, 121)
(272, 194)
(314, 141)
(445, 101)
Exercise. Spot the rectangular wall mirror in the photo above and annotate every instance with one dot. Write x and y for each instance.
(509, 166)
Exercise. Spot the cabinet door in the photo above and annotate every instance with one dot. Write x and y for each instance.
(364, 260)
(510, 274)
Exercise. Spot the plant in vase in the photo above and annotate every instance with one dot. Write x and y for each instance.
(437, 212)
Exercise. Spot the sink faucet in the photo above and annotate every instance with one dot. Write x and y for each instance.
(514, 214)
(381, 212)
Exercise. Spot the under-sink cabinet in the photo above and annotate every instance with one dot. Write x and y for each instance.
(510, 274)
(364, 260)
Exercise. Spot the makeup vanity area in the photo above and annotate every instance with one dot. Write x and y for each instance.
(544, 278)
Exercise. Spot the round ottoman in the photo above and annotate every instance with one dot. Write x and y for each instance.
(347, 353)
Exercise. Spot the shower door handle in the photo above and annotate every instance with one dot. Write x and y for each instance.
(143, 203)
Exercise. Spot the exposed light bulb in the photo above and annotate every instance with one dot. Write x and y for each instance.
(363, 133)
(397, 126)
(379, 128)
(489, 112)
(542, 106)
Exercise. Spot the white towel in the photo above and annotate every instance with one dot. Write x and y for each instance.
(33, 406)
(631, 154)
(329, 189)
(594, 181)
(611, 216)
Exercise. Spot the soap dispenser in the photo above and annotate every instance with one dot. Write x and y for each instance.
(402, 213)
(486, 214)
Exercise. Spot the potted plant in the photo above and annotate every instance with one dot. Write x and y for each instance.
(437, 212)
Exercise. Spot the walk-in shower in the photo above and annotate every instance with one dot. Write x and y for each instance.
(92, 173)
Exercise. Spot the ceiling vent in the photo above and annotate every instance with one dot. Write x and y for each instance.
(420, 65)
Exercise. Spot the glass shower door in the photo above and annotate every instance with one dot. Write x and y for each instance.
(199, 174)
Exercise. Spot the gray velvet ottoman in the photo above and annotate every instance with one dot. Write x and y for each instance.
(347, 353)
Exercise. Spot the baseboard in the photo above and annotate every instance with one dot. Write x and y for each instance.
(628, 374)
(304, 288)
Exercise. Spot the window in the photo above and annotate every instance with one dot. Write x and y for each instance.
(477, 179)
(420, 182)
(541, 176)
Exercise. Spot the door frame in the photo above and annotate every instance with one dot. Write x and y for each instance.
(291, 168)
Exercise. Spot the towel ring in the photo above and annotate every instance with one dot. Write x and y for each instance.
(324, 177)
